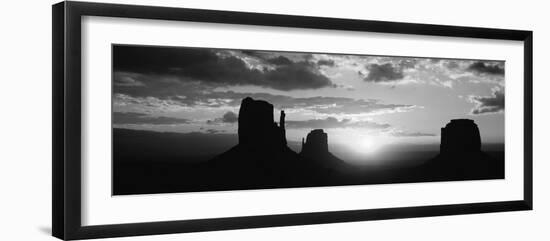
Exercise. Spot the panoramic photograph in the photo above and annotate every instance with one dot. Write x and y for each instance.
(188, 119)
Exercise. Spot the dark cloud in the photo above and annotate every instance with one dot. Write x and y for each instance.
(192, 95)
(214, 131)
(228, 117)
(331, 122)
(326, 62)
(487, 68)
(142, 118)
(297, 76)
(126, 80)
(330, 105)
(488, 104)
(280, 60)
(343, 105)
(253, 53)
(268, 56)
(216, 67)
(383, 73)
(188, 77)
(410, 134)
(319, 104)
(408, 63)
(451, 64)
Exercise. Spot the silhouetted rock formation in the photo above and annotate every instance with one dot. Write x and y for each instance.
(315, 149)
(460, 135)
(282, 125)
(262, 157)
(461, 155)
(316, 141)
(256, 127)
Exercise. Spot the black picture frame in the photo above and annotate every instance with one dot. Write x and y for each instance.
(66, 128)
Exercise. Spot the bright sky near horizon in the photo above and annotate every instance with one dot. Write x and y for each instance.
(357, 99)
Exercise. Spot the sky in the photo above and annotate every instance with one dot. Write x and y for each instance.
(361, 101)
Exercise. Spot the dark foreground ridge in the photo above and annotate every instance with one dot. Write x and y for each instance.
(148, 162)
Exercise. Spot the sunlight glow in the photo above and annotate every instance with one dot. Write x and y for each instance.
(361, 143)
(366, 145)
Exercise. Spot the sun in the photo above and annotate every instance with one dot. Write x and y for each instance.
(359, 142)
(366, 145)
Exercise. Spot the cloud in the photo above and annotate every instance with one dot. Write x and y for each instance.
(176, 78)
(299, 75)
(426, 71)
(265, 56)
(126, 80)
(204, 98)
(410, 134)
(408, 63)
(214, 131)
(487, 68)
(326, 62)
(451, 64)
(331, 122)
(343, 105)
(488, 104)
(217, 67)
(280, 60)
(142, 118)
(229, 117)
(383, 73)
(332, 105)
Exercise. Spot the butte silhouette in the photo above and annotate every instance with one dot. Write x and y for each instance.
(262, 156)
(315, 150)
(460, 154)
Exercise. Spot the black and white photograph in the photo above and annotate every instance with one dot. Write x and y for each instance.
(193, 119)
(249, 120)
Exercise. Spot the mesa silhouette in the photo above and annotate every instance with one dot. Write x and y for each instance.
(152, 162)
(262, 157)
(461, 155)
